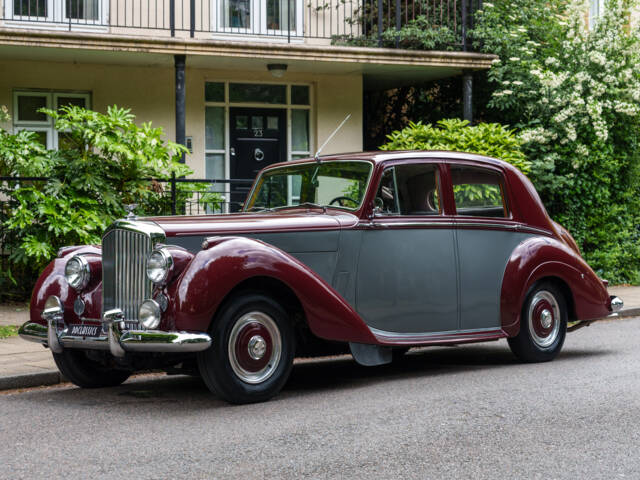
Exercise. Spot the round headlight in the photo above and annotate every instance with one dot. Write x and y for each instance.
(149, 314)
(159, 265)
(77, 272)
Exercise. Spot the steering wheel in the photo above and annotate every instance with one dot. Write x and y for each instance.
(340, 201)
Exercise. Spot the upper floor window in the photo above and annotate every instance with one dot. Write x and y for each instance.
(83, 12)
(270, 17)
(26, 114)
(478, 192)
(411, 189)
(596, 8)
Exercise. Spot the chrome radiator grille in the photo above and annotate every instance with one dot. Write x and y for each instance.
(124, 280)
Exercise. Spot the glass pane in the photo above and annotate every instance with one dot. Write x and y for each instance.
(30, 8)
(478, 193)
(242, 122)
(300, 130)
(214, 92)
(214, 128)
(386, 201)
(83, 9)
(237, 13)
(272, 123)
(28, 108)
(41, 137)
(418, 187)
(257, 122)
(277, 14)
(299, 95)
(214, 169)
(323, 184)
(71, 101)
(255, 93)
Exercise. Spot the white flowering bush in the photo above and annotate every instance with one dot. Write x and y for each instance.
(574, 95)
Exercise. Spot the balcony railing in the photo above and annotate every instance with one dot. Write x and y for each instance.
(345, 22)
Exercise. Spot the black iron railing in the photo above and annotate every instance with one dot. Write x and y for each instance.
(351, 22)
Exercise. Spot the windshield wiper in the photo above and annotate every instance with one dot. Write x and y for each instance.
(260, 209)
(304, 205)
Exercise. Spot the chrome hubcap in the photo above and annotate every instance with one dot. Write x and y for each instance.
(543, 319)
(255, 347)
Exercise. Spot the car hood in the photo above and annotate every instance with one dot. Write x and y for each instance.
(248, 223)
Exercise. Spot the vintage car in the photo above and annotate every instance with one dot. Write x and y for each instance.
(371, 253)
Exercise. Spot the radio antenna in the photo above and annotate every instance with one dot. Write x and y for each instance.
(317, 155)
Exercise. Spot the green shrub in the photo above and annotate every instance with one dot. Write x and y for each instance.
(103, 163)
(491, 139)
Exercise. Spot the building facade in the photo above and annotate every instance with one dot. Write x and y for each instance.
(242, 83)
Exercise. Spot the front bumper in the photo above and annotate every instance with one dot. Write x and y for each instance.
(118, 341)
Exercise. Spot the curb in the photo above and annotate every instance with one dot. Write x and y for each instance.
(28, 380)
(629, 312)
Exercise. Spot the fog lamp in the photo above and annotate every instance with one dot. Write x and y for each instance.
(149, 314)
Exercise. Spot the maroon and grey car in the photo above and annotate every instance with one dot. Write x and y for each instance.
(368, 253)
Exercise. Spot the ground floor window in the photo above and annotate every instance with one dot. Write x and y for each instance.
(27, 114)
(249, 126)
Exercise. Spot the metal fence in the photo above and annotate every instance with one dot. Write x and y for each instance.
(174, 196)
(360, 22)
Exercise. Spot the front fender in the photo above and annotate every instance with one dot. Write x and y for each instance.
(52, 282)
(542, 257)
(227, 261)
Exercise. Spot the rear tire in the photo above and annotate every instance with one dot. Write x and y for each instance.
(252, 352)
(87, 373)
(543, 325)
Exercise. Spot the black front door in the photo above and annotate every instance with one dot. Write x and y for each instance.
(258, 139)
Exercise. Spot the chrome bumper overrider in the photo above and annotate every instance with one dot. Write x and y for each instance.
(117, 340)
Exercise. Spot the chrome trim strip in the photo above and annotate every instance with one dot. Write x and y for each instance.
(444, 223)
(426, 335)
(405, 224)
(505, 226)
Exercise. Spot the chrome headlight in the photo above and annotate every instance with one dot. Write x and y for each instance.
(159, 263)
(149, 314)
(77, 272)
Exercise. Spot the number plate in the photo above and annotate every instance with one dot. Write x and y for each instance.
(86, 330)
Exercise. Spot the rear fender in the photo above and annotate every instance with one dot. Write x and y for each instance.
(543, 257)
(228, 261)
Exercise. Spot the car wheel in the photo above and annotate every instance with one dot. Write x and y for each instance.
(543, 325)
(252, 352)
(87, 373)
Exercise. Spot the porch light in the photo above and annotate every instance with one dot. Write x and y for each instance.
(277, 69)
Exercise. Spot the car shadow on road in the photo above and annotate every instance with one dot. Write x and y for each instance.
(308, 377)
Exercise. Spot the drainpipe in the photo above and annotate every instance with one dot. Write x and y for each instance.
(467, 76)
(179, 61)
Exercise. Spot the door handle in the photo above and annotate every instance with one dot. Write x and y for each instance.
(232, 152)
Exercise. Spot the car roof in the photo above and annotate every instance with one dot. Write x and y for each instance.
(387, 156)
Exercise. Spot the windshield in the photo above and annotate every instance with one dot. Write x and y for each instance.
(337, 184)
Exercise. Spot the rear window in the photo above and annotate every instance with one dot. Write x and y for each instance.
(478, 192)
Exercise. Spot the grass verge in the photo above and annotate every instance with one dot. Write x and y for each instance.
(8, 331)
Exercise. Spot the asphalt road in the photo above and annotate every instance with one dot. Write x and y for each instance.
(464, 412)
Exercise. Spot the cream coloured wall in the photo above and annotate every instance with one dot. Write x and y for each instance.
(149, 92)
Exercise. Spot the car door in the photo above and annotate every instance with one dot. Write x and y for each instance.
(406, 279)
(486, 235)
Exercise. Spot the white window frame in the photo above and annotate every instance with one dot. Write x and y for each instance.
(288, 106)
(51, 103)
(596, 9)
(57, 17)
(258, 23)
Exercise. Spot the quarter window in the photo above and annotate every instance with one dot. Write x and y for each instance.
(411, 189)
(478, 192)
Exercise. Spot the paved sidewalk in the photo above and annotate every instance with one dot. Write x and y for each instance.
(26, 364)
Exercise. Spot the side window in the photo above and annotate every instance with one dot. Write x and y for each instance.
(411, 189)
(478, 192)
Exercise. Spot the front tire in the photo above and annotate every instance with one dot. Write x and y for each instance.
(87, 373)
(543, 325)
(252, 352)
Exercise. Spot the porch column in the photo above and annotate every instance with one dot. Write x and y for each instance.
(467, 96)
(180, 101)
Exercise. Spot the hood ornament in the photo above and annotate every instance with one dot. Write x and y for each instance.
(130, 208)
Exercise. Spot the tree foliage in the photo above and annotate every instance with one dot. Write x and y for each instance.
(103, 163)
